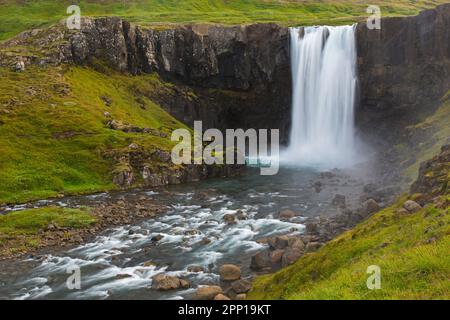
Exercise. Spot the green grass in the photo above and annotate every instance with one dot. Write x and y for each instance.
(20, 231)
(438, 128)
(17, 16)
(53, 133)
(411, 250)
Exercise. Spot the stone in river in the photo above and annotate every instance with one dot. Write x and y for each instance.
(229, 272)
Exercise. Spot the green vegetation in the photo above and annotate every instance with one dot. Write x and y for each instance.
(411, 250)
(17, 16)
(53, 132)
(432, 133)
(20, 231)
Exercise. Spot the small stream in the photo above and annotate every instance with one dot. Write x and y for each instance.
(120, 262)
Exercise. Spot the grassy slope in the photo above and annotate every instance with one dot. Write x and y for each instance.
(411, 250)
(53, 132)
(20, 230)
(17, 16)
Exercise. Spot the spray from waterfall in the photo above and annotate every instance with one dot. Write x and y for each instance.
(323, 62)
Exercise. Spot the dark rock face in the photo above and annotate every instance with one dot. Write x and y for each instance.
(238, 73)
(404, 69)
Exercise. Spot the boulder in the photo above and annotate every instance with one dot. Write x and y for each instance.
(221, 296)
(261, 261)
(195, 269)
(241, 296)
(296, 243)
(290, 256)
(229, 272)
(412, 206)
(276, 255)
(370, 206)
(229, 219)
(241, 286)
(207, 292)
(164, 282)
(279, 242)
(286, 214)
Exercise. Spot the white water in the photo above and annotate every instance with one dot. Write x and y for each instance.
(323, 62)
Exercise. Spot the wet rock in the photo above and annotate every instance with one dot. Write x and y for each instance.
(207, 292)
(229, 272)
(241, 286)
(279, 242)
(412, 206)
(222, 297)
(240, 215)
(195, 269)
(286, 214)
(164, 282)
(296, 243)
(157, 238)
(290, 256)
(276, 256)
(206, 240)
(150, 264)
(229, 219)
(261, 261)
(185, 284)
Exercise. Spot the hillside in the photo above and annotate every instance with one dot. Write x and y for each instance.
(54, 132)
(17, 16)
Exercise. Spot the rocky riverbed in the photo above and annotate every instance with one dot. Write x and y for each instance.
(197, 241)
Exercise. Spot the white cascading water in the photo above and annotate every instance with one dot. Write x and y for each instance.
(323, 62)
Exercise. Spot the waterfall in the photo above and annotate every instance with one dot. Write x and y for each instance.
(323, 63)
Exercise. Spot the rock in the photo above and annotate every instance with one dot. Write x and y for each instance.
(229, 219)
(157, 238)
(185, 284)
(19, 66)
(241, 286)
(133, 146)
(412, 206)
(207, 292)
(229, 272)
(241, 215)
(149, 264)
(311, 227)
(221, 297)
(339, 200)
(163, 282)
(195, 269)
(291, 256)
(313, 246)
(317, 186)
(296, 243)
(286, 214)
(401, 212)
(370, 206)
(206, 240)
(261, 261)
(276, 255)
(279, 242)
(241, 296)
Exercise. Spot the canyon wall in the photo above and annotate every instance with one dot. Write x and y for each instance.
(404, 70)
(239, 76)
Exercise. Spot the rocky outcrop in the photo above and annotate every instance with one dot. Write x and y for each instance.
(404, 69)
